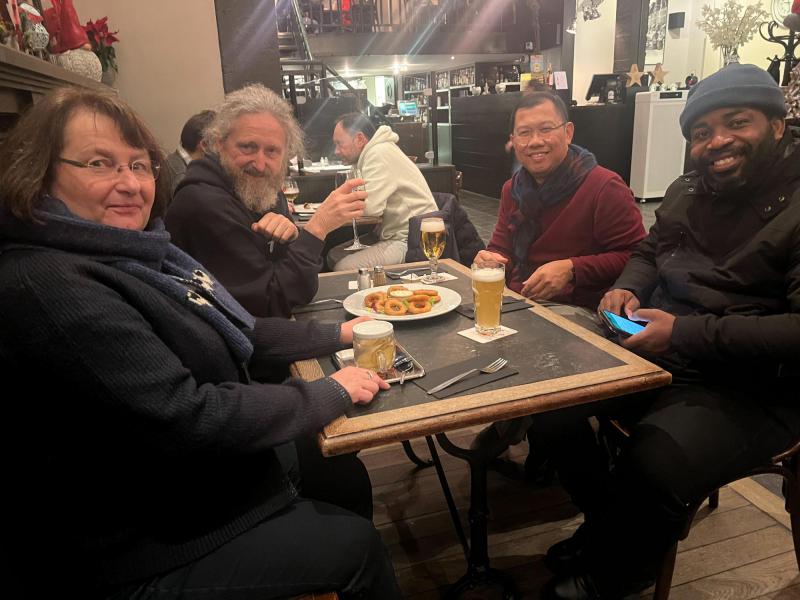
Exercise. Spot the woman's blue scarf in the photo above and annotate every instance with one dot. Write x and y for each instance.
(533, 198)
(146, 255)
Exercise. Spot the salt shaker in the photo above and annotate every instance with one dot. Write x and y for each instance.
(378, 276)
(364, 278)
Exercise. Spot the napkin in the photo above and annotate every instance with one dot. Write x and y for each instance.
(306, 308)
(509, 305)
(483, 338)
(437, 376)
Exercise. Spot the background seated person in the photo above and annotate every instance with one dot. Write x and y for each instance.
(717, 282)
(191, 146)
(396, 187)
(229, 213)
(566, 225)
(153, 470)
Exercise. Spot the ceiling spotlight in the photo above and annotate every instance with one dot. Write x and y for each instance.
(396, 69)
(452, 58)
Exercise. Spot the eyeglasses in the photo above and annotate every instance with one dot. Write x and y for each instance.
(525, 135)
(143, 170)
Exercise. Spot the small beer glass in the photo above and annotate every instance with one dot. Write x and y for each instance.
(488, 282)
(373, 345)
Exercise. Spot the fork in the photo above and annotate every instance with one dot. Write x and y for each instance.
(399, 274)
(492, 367)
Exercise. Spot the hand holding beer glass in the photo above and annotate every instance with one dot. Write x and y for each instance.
(434, 238)
(340, 178)
(488, 282)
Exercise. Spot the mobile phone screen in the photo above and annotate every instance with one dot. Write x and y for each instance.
(622, 324)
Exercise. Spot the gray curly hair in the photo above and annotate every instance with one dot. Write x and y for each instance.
(255, 98)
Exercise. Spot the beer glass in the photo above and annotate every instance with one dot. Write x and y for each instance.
(434, 237)
(290, 189)
(488, 281)
(374, 346)
(341, 177)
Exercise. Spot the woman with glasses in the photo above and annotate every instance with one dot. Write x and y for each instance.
(140, 455)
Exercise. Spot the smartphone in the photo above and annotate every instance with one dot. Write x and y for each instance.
(620, 325)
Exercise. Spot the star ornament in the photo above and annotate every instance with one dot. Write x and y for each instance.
(659, 74)
(634, 76)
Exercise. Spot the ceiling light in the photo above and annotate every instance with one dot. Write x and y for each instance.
(452, 58)
(396, 69)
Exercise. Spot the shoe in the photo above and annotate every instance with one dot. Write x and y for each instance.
(488, 441)
(576, 586)
(581, 586)
(566, 556)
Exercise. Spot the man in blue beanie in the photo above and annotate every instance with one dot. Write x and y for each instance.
(717, 283)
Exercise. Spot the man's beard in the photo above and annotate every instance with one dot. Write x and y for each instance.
(756, 161)
(257, 191)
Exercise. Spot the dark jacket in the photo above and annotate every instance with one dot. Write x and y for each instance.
(135, 447)
(729, 267)
(208, 221)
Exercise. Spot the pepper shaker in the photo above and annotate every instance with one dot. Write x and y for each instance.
(378, 276)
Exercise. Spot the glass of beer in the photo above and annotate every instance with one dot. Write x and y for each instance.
(290, 190)
(488, 282)
(434, 237)
(373, 345)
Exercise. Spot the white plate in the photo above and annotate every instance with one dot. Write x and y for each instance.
(302, 209)
(354, 303)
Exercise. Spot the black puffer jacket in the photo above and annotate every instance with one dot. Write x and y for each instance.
(729, 267)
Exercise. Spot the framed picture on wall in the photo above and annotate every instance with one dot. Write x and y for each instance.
(656, 32)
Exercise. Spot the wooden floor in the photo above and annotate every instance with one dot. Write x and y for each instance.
(741, 550)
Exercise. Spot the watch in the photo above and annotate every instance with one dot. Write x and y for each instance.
(780, 9)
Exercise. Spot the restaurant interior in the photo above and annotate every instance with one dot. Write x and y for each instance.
(446, 76)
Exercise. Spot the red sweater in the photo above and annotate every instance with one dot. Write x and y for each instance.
(597, 228)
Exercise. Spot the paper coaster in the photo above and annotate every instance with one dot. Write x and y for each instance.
(478, 337)
(352, 285)
(414, 277)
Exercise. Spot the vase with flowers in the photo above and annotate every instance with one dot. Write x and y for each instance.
(102, 40)
(730, 26)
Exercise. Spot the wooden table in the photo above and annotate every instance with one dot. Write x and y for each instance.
(559, 364)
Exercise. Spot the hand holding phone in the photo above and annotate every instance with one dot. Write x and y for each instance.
(620, 325)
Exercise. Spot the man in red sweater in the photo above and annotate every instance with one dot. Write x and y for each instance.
(565, 230)
(566, 225)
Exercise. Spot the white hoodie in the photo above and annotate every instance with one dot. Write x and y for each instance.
(396, 189)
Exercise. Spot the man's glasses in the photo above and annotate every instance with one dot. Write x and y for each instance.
(523, 136)
(143, 170)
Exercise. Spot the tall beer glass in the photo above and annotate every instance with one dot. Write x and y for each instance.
(488, 281)
(434, 238)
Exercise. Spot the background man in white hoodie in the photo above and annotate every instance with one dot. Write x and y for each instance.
(396, 191)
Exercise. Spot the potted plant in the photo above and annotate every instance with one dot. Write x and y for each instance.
(731, 26)
(101, 40)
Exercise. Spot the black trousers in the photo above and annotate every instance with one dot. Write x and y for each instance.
(308, 546)
(687, 440)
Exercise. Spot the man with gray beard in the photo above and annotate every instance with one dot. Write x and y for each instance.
(230, 215)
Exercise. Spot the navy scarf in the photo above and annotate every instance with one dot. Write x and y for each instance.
(146, 255)
(533, 198)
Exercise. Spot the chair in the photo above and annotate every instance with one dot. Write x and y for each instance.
(785, 464)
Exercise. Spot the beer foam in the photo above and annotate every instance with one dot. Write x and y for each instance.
(431, 226)
(488, 275)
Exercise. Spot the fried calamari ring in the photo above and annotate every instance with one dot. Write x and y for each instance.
(435, 299)
(394, 307)
(379, 306)
(418, 298)
(372, 299)
(427, 292)
(417, 307)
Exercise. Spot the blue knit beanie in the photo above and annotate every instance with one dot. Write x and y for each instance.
(734, 85)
